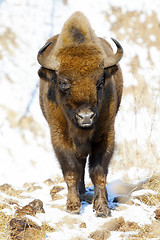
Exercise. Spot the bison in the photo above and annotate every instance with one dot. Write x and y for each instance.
(80, 93)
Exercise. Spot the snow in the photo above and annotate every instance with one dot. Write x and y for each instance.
(25, 149)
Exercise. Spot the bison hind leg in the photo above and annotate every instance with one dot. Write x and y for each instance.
(81, 184)
(82, 188)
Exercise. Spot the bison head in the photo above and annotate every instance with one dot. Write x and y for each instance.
(79, 63)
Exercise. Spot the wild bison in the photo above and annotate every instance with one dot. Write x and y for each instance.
(80, 93)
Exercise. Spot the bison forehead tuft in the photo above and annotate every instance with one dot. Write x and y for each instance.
(80, 60)
(77, 35)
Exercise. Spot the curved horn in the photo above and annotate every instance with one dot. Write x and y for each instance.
(47, 59)
(39, 57)
(44, 47)
(111, 61)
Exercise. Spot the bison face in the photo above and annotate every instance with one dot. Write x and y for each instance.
(80, 97)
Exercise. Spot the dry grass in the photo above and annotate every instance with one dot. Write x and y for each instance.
(153, 183)
(3, 206)
(31, 231)
(4, 226)
(146, 232)
(16, 226)
(141, 153)
(150, 199)
(47, 228)
(9, 190)
(30, 234)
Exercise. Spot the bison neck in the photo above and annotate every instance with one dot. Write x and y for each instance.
(81, 140)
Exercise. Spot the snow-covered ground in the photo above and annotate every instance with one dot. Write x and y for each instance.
(26, 154)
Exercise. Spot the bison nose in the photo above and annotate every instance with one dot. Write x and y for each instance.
(85, 118)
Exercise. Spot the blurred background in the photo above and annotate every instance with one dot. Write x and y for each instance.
(25, 149)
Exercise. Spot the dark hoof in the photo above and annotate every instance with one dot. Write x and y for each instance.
(101, 208)
(73, 206)
(103, 214)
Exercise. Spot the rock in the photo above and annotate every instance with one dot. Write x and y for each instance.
(49, 182)
(5, 187)
(130, 202)
(30, 234)
(30, 187)
(157, 212)
(56, 197)
(129, 226)
(37, 204)
(82, 225)
(121, 199)
(114, 224)
(26, 210)
(22, 223)
(137, 204)
(54, 191)
(8, 189)
(19, 225)
(122, 188)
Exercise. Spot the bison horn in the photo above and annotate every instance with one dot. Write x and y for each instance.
(111, 61)
(44, 57)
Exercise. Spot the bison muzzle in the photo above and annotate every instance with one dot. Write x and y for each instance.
(80, 93)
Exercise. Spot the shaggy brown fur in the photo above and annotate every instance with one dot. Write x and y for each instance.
(79, 98)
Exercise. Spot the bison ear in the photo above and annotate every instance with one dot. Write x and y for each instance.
(47, 74)
(110, 71)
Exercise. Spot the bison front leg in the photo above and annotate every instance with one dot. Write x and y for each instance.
(98, 163)
(72, 169)
(73, 201)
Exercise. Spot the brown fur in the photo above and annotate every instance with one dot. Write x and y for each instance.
(80, 55)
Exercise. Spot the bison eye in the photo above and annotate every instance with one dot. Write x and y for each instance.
(64, 84)
(100, 85)
(100, 82)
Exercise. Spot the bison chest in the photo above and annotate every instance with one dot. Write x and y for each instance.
(81, 147)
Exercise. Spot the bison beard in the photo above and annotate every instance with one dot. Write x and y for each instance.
(80, 93)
